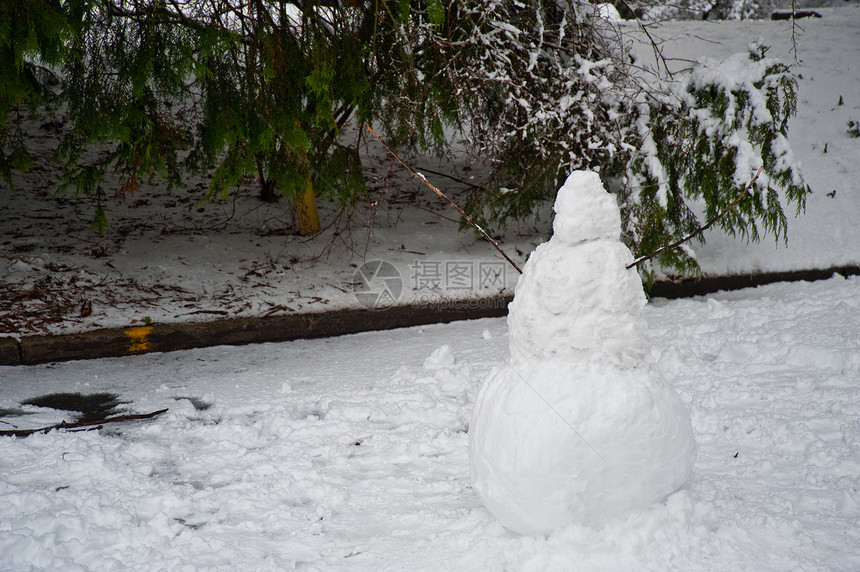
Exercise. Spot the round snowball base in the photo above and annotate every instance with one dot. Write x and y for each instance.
(559, 442)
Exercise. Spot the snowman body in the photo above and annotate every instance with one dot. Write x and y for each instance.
(578, 425)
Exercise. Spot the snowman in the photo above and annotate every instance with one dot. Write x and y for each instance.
(578, 426)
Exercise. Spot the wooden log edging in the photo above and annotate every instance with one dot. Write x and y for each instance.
(10, 351)
(794, 14)
(711, 284)
(115, 342)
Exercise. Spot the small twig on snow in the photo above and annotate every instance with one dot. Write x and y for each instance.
(95, 424)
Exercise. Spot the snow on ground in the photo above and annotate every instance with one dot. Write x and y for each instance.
(168, 259)
(351, 453)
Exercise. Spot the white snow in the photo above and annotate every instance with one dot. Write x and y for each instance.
(608, 12)
(576, 426)
(352, 453)
(577, 297)
(364, 464)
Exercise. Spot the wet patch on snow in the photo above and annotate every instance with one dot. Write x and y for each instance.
(89, 407)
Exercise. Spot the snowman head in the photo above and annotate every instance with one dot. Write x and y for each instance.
(584, 211)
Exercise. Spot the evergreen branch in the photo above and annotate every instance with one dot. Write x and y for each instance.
(423, 179)
(167, 18)
(744, 193)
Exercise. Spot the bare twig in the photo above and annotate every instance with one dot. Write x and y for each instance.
(701, 229)
(793, 30)
(423, 179)
(96, 424)
(449, 176)
(658, 52)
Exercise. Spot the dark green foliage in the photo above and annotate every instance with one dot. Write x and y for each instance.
(224, 88)
(34, 39)
(708, 148)
(168, 88)
(159, 89)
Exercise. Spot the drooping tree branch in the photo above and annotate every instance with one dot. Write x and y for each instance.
(701, 229)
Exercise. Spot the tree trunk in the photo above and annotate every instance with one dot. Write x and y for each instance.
(268, 191)
(307, 214)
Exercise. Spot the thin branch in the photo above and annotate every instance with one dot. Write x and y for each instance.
(793, 30)
(450, 176)
(658, 52)
(96, 424)
(701, 229)
(445, 197)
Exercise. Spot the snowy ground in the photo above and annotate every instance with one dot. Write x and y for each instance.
(168, 259)
(351, 453)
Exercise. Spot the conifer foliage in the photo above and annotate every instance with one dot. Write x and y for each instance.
(267, 88)
(35, 36)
